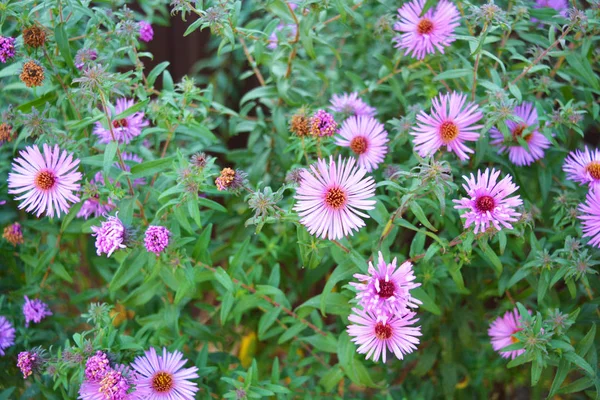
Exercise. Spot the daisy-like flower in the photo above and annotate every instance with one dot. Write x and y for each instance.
(163, 377)
(156, 239)
(146, 32)
(501, 332)
(7, 334)
(124, 129)
(488, 202)
(45, 182)
(367, 139)
(331, 197)
(386, 290)
(376, 335)
(351, 104)
(111, 235)
(536, 142)
(35, 311)
(583, 167)
(422, 35)
(590, 217)
(450, 123)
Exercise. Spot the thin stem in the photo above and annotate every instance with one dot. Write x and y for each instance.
(252, 63)
(341, 246)
(477, 59)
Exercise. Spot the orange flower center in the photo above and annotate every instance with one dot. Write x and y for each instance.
(518, 132)
(448, 131)
(335, 198)
(386, 289)
(162, 382)
(485, 203)
(358, 145)
(425, 26)
(45, 180)
(594, 169)
(383, 331)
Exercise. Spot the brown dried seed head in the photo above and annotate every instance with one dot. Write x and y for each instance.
(6, 133)
(32, 74)
(300, 125)
(34, 36)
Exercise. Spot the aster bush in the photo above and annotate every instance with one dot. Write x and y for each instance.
(344, 199)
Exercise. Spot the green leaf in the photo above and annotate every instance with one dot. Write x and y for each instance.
(109, 155)
(226, 305)
(586, 343)
(491, 256)
(193, 26)
(129, 269)
(224, 279)
(131, 110)
(428, 303)
(150, 168)
(62, 41)
(156, 71)
(291, 332)
(580, 362)
(420, 214)
(203, 201)
(561, 374)
(341, 272)
(453, 74)
(267, 320)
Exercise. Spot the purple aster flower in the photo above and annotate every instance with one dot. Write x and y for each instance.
(501, 332)
(367, 139)
(559, 5)
(29, 362)
(146, 31)
(115, 384)
(536, 142)
(386, 290)
(94, 205)
(157, 239)
(46, 182)
(378, 334)
(329, 199)
(488, 203)
(583, 167)
(96, 367)
(124, 129)
(351, 104)
(84, 57)
(163, 377)
(289, 29)
(590, 218)
(110, 236)
(7, 48)
(7, 334)
(322, 124)
(35, 311)
(451, 124)
(422, 35)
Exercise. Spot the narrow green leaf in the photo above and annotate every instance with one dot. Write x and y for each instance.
(62, 41)
(224, 279)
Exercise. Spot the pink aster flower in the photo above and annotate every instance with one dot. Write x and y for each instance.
(488, 203)
(424, 35)
(351, 104)
(583, 167)
(590, 218)
(288, 29)
(378, 334)
(7, 334)
(536, 142)
(146, 31)
(110, 236)
(559, 5)
(96, 367)
(124, 129)
(450, 124)
(35, 310)
(367, 138)
(331, 197)
(7, 48)
(132, 159)
(322, 124)
(84, 57)
(502, 330)
(163, 377)
(115, 384)
(46, 182)
(386, 290)
(28, 362)
(157, 239)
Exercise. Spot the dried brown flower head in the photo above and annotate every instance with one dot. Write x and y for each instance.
(6, 133)
(32, 74)
(300, 124)
(34, 36)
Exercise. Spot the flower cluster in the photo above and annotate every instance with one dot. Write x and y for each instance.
(385, 322)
